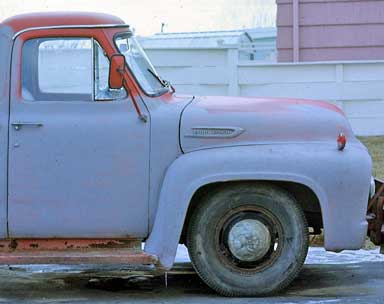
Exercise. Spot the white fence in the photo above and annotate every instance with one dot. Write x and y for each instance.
(356, 87)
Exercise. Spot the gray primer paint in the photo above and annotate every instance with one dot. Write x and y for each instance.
(83, 174)
(312, 164)
(283, 140)
(5, 58)
(165, 146)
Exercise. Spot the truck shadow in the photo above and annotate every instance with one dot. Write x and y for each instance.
(315, 281)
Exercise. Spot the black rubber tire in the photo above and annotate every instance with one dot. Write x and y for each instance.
(209, 264)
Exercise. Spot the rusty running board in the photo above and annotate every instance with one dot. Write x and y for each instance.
(375, 216)
(103, 256)
(74, 251)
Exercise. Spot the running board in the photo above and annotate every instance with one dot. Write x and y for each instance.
(101, 256)
(74, 251)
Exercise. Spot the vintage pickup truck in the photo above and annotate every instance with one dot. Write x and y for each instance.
(99, 155)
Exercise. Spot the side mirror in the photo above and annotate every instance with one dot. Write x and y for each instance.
(116, 71)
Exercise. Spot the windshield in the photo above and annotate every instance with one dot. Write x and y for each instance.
(140, 66)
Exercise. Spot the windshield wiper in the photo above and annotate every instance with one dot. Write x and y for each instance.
(162, 82)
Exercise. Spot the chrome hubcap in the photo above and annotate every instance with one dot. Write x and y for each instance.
(249, 240)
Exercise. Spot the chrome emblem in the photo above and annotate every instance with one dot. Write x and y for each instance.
(215, 132)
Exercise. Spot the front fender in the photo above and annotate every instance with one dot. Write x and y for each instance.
(307, 164)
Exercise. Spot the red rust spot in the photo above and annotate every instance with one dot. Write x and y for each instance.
(65, 244)
(12, 244)
(101, 256)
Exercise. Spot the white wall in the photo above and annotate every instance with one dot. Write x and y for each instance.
(356, 87)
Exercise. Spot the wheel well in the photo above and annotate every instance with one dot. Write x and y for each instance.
(303, 194)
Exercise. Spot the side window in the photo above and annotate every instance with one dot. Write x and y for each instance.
(66, 69)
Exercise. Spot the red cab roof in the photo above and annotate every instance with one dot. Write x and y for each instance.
(25, 21)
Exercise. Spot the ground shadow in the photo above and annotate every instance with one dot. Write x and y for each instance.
(106, 285)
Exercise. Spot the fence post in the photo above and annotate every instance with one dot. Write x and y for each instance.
(232, 64)
(339, 72)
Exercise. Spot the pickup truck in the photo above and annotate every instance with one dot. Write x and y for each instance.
(102, 162)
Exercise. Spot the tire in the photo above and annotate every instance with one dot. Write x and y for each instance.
(248, 239)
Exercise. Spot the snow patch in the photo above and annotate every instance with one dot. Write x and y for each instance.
(318, 255)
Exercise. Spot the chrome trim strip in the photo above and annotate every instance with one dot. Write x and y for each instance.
(68, 27)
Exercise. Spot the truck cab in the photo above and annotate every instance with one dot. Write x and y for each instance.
(98, 154)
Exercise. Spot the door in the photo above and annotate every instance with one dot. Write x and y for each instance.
(78, 154)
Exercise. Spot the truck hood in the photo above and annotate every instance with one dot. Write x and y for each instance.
(209, 122)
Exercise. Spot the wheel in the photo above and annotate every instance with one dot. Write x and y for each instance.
(248, 239)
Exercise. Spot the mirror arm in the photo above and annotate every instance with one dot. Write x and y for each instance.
(142, 116)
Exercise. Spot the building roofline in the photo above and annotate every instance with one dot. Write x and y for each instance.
(234, 31)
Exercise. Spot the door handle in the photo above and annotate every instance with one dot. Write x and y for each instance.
(18, 124)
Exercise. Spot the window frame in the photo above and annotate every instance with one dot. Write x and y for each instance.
(160, 92)
(42, 96)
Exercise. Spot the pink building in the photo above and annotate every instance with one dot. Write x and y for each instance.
(327, 30)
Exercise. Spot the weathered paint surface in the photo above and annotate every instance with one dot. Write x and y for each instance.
(10, 245)
(101, 148)
(31, 20)
(262, 120)
(5, 58)
(117, 176)
(73, 251)
(100, 256)
(320, 166)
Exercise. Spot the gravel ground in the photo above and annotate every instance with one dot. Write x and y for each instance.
(348, 277)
